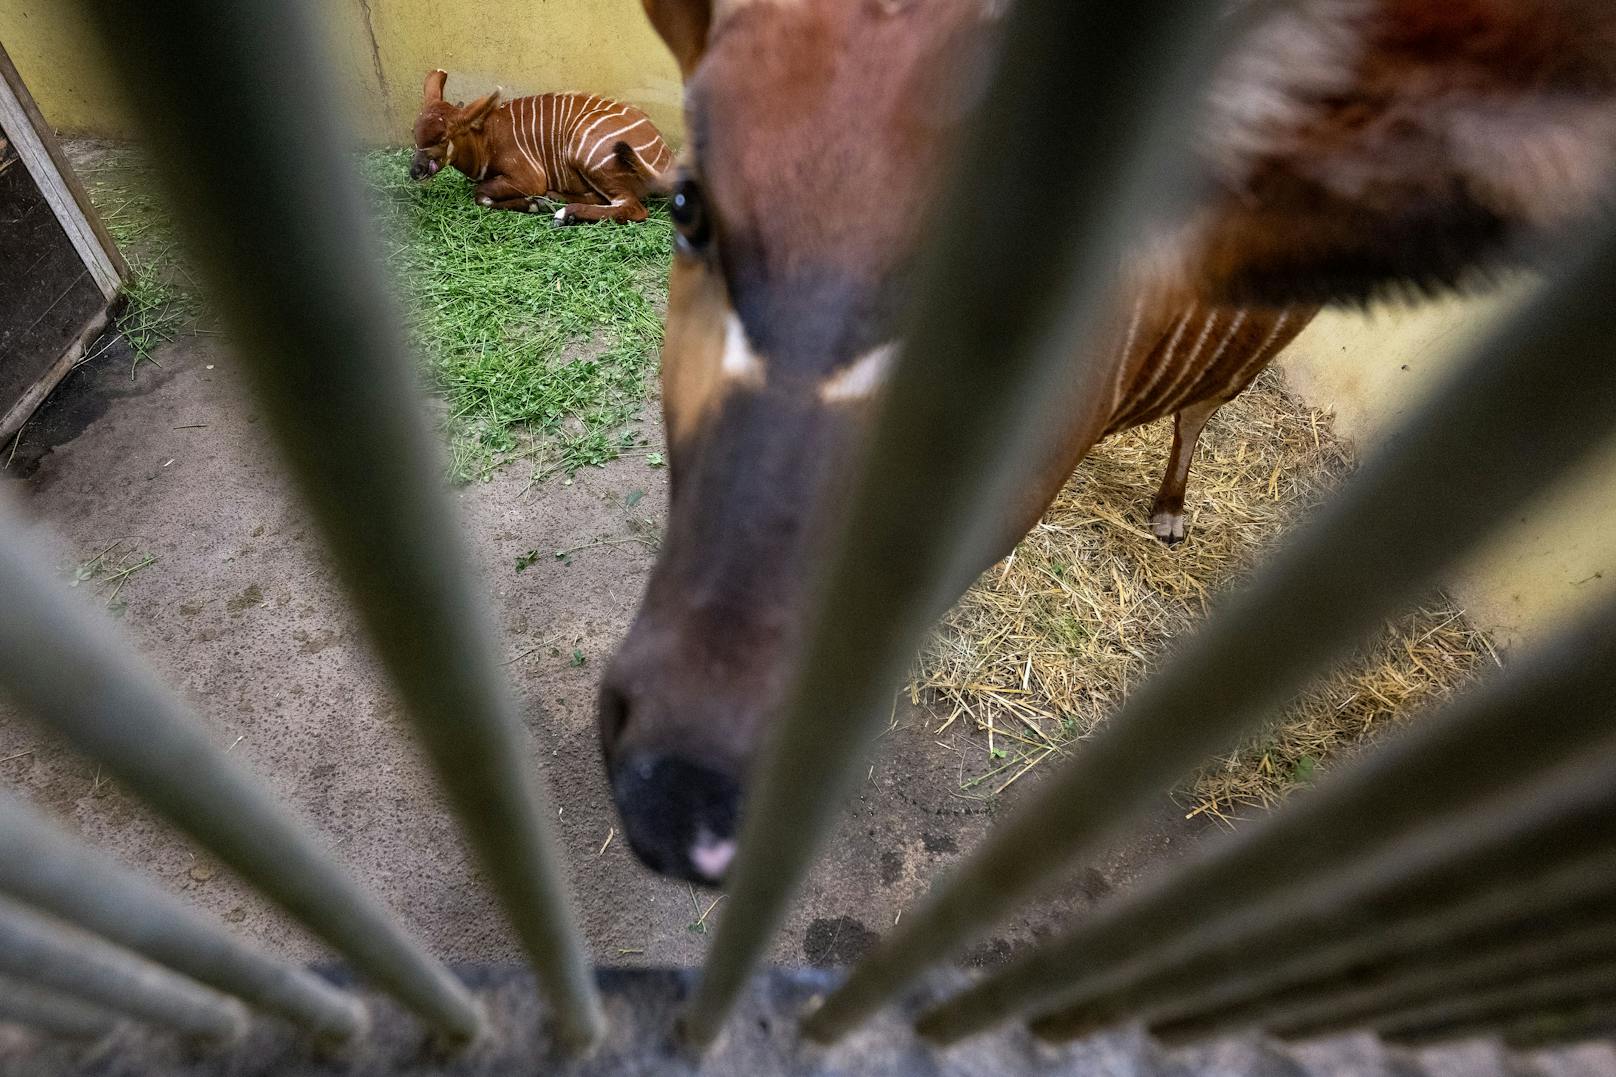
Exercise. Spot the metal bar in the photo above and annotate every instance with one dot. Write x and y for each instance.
(242, 91)
(1403, 986)
(1566, 812)
(1536, 716)
(34, 949)
(1584, 881)
(915, 529)
(1534, 995)
(1593, 1016)
(61, 661)
(45, 867)
(59, 1015)
(1535, 398)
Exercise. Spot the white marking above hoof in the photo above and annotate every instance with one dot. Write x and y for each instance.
(1169, 527)
(561, 215)
(485, 201)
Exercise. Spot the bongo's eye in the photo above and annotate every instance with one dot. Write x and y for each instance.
(689, 212)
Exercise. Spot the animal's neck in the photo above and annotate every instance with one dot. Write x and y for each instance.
(468, 153)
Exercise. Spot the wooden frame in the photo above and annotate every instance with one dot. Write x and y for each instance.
(42, 157)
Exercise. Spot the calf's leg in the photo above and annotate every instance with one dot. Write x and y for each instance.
(621, 189)
(500, 193)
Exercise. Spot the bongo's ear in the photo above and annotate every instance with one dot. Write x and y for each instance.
(683, 26)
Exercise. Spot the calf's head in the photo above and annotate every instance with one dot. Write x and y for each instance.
(441, 122)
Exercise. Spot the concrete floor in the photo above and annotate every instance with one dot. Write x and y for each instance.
(241, 614)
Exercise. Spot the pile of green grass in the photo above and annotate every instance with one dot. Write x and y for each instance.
(543, 339)
(160, 298)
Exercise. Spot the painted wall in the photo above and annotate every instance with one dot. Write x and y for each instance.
(1375, 370)
(382, 49)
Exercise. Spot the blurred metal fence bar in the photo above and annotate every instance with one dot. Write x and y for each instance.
(242, 92)
(35, 949)
(1572, 892)
(1535, 398)
(47, 1011)
(1566, 811)
(45, 867)
(1362, 999)
(1466, 1011)
(1026, 296)
(63, 663)
(1594, 1016)
(1550, 708)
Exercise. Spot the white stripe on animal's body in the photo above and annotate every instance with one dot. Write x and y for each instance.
(516, 134)
(1143, 396)
(1234, 327)
(859, 379)
(539, 140)
(739, 362)
(610, 141)
(1127, 350)
(606, 114)
(550, 143)
(555, 142)
(1186, 370)
(1279, 323)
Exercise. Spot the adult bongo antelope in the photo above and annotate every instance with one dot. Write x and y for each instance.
(1349, 148)
(598, 156)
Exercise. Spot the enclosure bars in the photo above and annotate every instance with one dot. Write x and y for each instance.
(1562, 399)
(1535, 398)
(61, 662)
(35, 949)
(1428, 870)
(923, 510)
(240, 93)
(47, 1011)
(1555, 707)
(45, 867)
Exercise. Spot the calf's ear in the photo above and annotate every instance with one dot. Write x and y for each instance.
(432, 91)
(474, 114)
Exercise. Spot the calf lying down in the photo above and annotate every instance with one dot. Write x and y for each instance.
(598, 156)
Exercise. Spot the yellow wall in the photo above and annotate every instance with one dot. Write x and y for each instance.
(382, 50)
(1374, 370)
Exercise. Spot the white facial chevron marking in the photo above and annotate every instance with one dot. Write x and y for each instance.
(740, 362)
(860, 378)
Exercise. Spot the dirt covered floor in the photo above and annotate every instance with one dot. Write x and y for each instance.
(168, 508)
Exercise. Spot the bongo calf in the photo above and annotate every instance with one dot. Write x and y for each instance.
(598, 156)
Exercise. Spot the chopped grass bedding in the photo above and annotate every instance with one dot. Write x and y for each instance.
(542, 340)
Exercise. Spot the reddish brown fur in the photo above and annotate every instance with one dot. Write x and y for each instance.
(596, 155)
(1350, 148)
